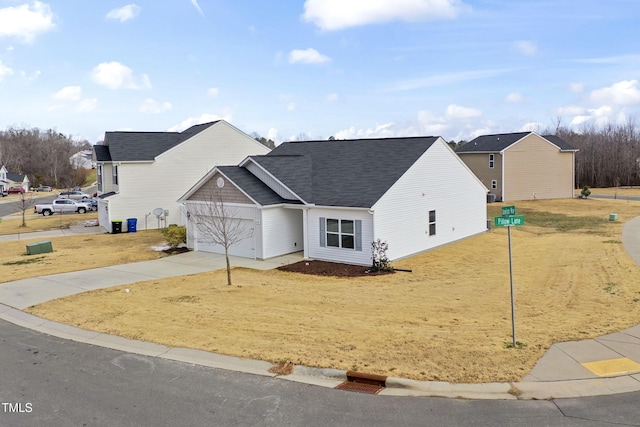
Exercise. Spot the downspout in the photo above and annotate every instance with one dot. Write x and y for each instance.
(305, 234)
(502, 172)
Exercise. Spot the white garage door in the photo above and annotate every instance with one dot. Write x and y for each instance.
(244, 248)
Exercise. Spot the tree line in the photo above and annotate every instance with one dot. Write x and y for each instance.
(608, 156)
(42, 155)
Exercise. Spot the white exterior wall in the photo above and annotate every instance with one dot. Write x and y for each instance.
(438, 181)
(348, 256)
(282, 231)
(146, 186)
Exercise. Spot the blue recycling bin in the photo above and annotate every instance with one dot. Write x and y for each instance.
(131, 224)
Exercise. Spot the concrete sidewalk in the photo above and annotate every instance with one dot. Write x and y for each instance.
(606, 365)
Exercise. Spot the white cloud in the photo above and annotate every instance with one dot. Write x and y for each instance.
(531, 127)
(444, 79)
(291, 106)
(514, 98)
(307, 56)
(115, 75)
(151, 106)
(4, 71)
(69, 93)
(576, 87)
(124, 13)
(31, 77)
(272, 134)
(26, 21)
(203, 118)
(457, 112)
(598, 116)
(197, 6)
(625, 92)
(526, 47)
(213, 92)
(339, 14)
(571, 110)
(332, 97)
(88, 104)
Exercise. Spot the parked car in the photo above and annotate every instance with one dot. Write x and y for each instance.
(3, 193)
(16, 190)
(77, 195)
(43, 188)
(93, 203)
(62, 206)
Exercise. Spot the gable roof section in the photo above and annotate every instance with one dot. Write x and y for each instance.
(252, 186)
(350, 173)
(498, 142)
(142, 146)
(15, 177)
(492, 143)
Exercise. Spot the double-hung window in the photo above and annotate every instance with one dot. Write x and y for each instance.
(494, 184)
(115, 174)
(340, 233)
(432, 223)
(491, 160)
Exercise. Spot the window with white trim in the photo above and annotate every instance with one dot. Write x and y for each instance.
(340, 233)
(494, 184)
(491, 160)
(432, 223)
(115, 174)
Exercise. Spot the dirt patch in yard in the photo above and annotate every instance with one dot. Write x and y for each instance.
(324, 268)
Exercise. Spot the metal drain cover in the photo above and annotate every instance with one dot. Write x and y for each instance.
(360, 387)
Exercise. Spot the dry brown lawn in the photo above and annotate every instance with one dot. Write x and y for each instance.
(449, 319)
(78, 252)
(13, 223)
(620, 191)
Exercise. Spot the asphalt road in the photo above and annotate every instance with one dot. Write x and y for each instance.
(50, 381)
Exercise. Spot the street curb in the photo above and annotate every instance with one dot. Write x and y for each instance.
(327, 377)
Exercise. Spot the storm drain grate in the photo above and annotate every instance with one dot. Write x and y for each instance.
(360, 387)
(360, 382)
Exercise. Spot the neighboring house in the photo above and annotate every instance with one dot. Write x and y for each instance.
(522, 166)
(82, 159)
(139, 172)
(332, 199)
(4, 181)
(8, 180)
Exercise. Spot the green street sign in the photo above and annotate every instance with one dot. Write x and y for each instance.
(508, 210)
(508, 221)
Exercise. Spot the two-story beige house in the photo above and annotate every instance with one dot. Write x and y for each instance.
(522, 166)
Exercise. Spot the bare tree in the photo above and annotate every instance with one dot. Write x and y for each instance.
(23, 203)
(216, 222)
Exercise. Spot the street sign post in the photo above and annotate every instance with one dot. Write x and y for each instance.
(510, 219)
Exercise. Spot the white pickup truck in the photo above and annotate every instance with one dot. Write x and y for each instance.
(62, 206)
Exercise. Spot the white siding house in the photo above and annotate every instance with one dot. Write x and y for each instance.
(139, 172)
(332, 199)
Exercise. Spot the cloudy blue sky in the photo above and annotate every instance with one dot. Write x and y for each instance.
(347, 68)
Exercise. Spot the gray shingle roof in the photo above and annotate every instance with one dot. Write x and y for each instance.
(142, 146)
(556, 140)
(251, 185)
(498, 142)
(492, 143)
(102, 153)
(15, 177)
(353, 173)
